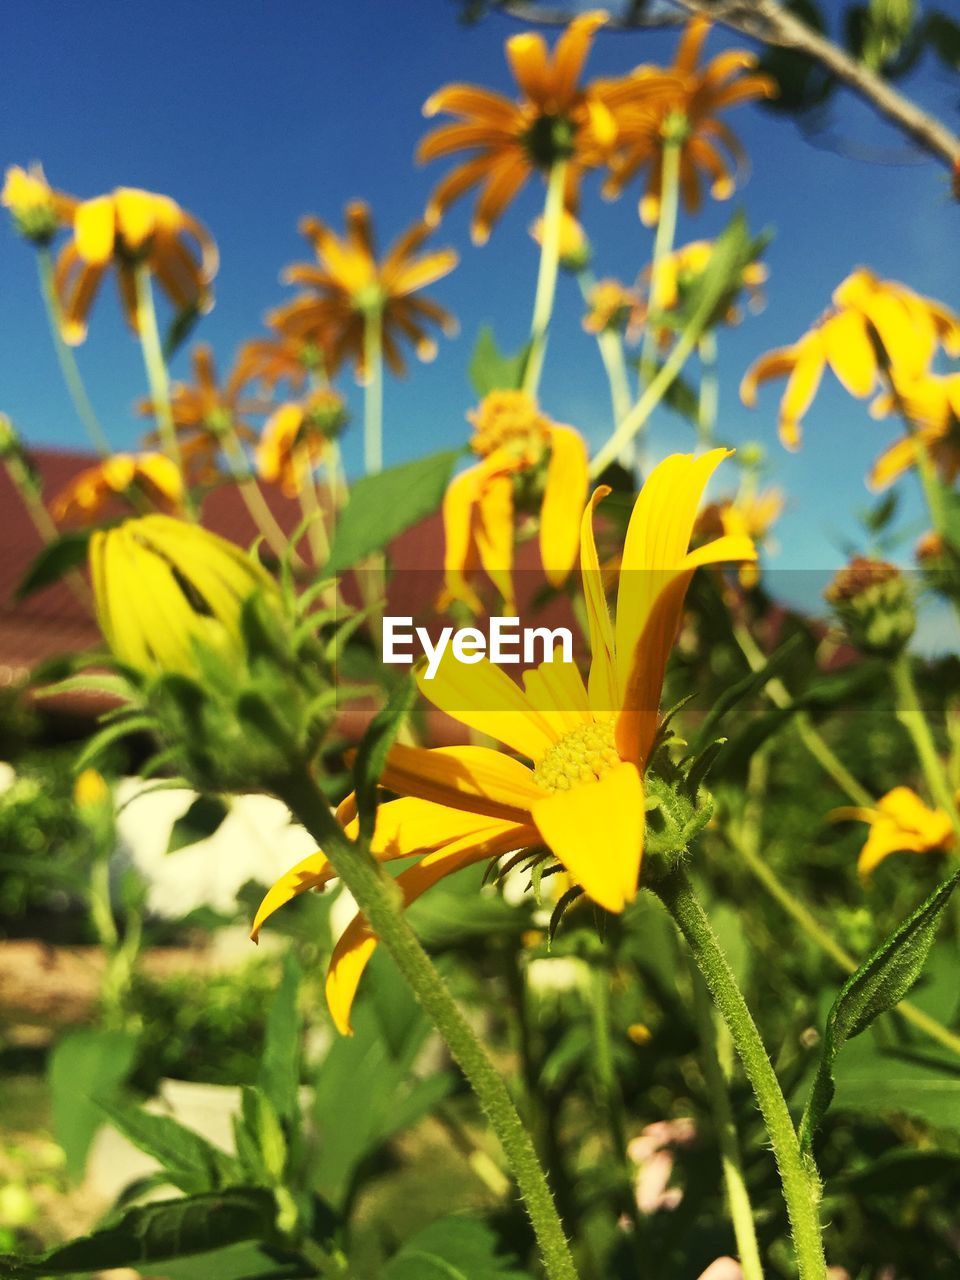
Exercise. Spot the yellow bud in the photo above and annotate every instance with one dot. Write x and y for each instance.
(90, 790)
(166, 591)
(639, 1033)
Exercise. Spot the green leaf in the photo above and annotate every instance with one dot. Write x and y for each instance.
(876, 1080)
(453, 1249)
(190, 1162)
(896, 1172)
(880, 983)
(155, 1232)
(491, 370)
(280, 1064)
(200, 821)
(261, 1142)
(86, 1070)
(943, 36)
(382, 506)
(180, 329)
(372, 755)
(57, 558)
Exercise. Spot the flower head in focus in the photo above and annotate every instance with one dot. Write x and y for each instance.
(526, 461)
(931, 406)
(150, 477)
(556, 118)
(38, 211)
(297, 438)
(899, 823)
(166, 589)
(875, 329)
(684, 110)
(205, 412)
(125, 230)
(347, 284)
(586, 745)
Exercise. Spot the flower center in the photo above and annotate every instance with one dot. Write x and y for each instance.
(584, 755)
(509, 420)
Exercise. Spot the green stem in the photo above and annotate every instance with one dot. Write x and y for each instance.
(911, 716)
(27, 486)
(546, 276)
(252, 496)
(663, 242)
(67, 360)
(373, 392)
(377, 897)
(155, 364)
(316, 528)
(738, 1198)
(801, 1189)
(807, 731)
(709, 390)
(610, 345)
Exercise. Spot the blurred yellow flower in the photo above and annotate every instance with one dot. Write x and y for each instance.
(900, 823)
(931, 405)
(683, 108)
(90, 790)
(150, 476)
(613, 306)
(204, 412)
(269, 361)
(165, 588)
(296, 438)
(556, 118)
(38, 210)
(574, 250)
(588, 745)
(127, 229)
(348, 283)
(749, 515)
(875, 327)
(516, 442)
(676, 272)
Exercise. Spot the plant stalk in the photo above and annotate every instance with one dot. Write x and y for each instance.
(911, 715)
(546, 276)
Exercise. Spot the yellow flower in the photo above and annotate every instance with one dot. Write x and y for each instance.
(556, 118)
(125, 229)
(348, 284)
(38, 210)
(204, 412)
(875, 327)
(900, 823)
(270, 361)
(748, 515)
(676, 272)
(150, 475)
(514, 441)
(574, 250)
(931, 404)
(613, 306)
(581, 795)
(685, 113)
(296, 438)
(90, 790)
(165, 588)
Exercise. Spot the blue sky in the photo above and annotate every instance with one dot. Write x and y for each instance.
(251, 114)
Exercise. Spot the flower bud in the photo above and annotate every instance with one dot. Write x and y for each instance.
(874, 602)
(170, 595)
(35, 207)
(90, 791)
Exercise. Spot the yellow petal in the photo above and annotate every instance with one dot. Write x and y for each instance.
(772, 365)
(892, 463)
(606, 869)
(805, 378)
(602, 682)
(483, 697)
(477, 779)
(94, 229)
(556, 690)
(494, 535)
(850, 352)
(527, 55)
(136, 216)
(564, 496)
(312, 872)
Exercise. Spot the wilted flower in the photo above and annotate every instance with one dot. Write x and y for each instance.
(556, 119)
(899, 823)
(588, 745)
(296, 438)
(931, 405)
(38, 210)
(683, 109)
(348, 284)
(166, 589)
(613, 306)
(875, 604)
(874, 327)
(127, 229)
(526, 459)
(150, 476)
(204, 412)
